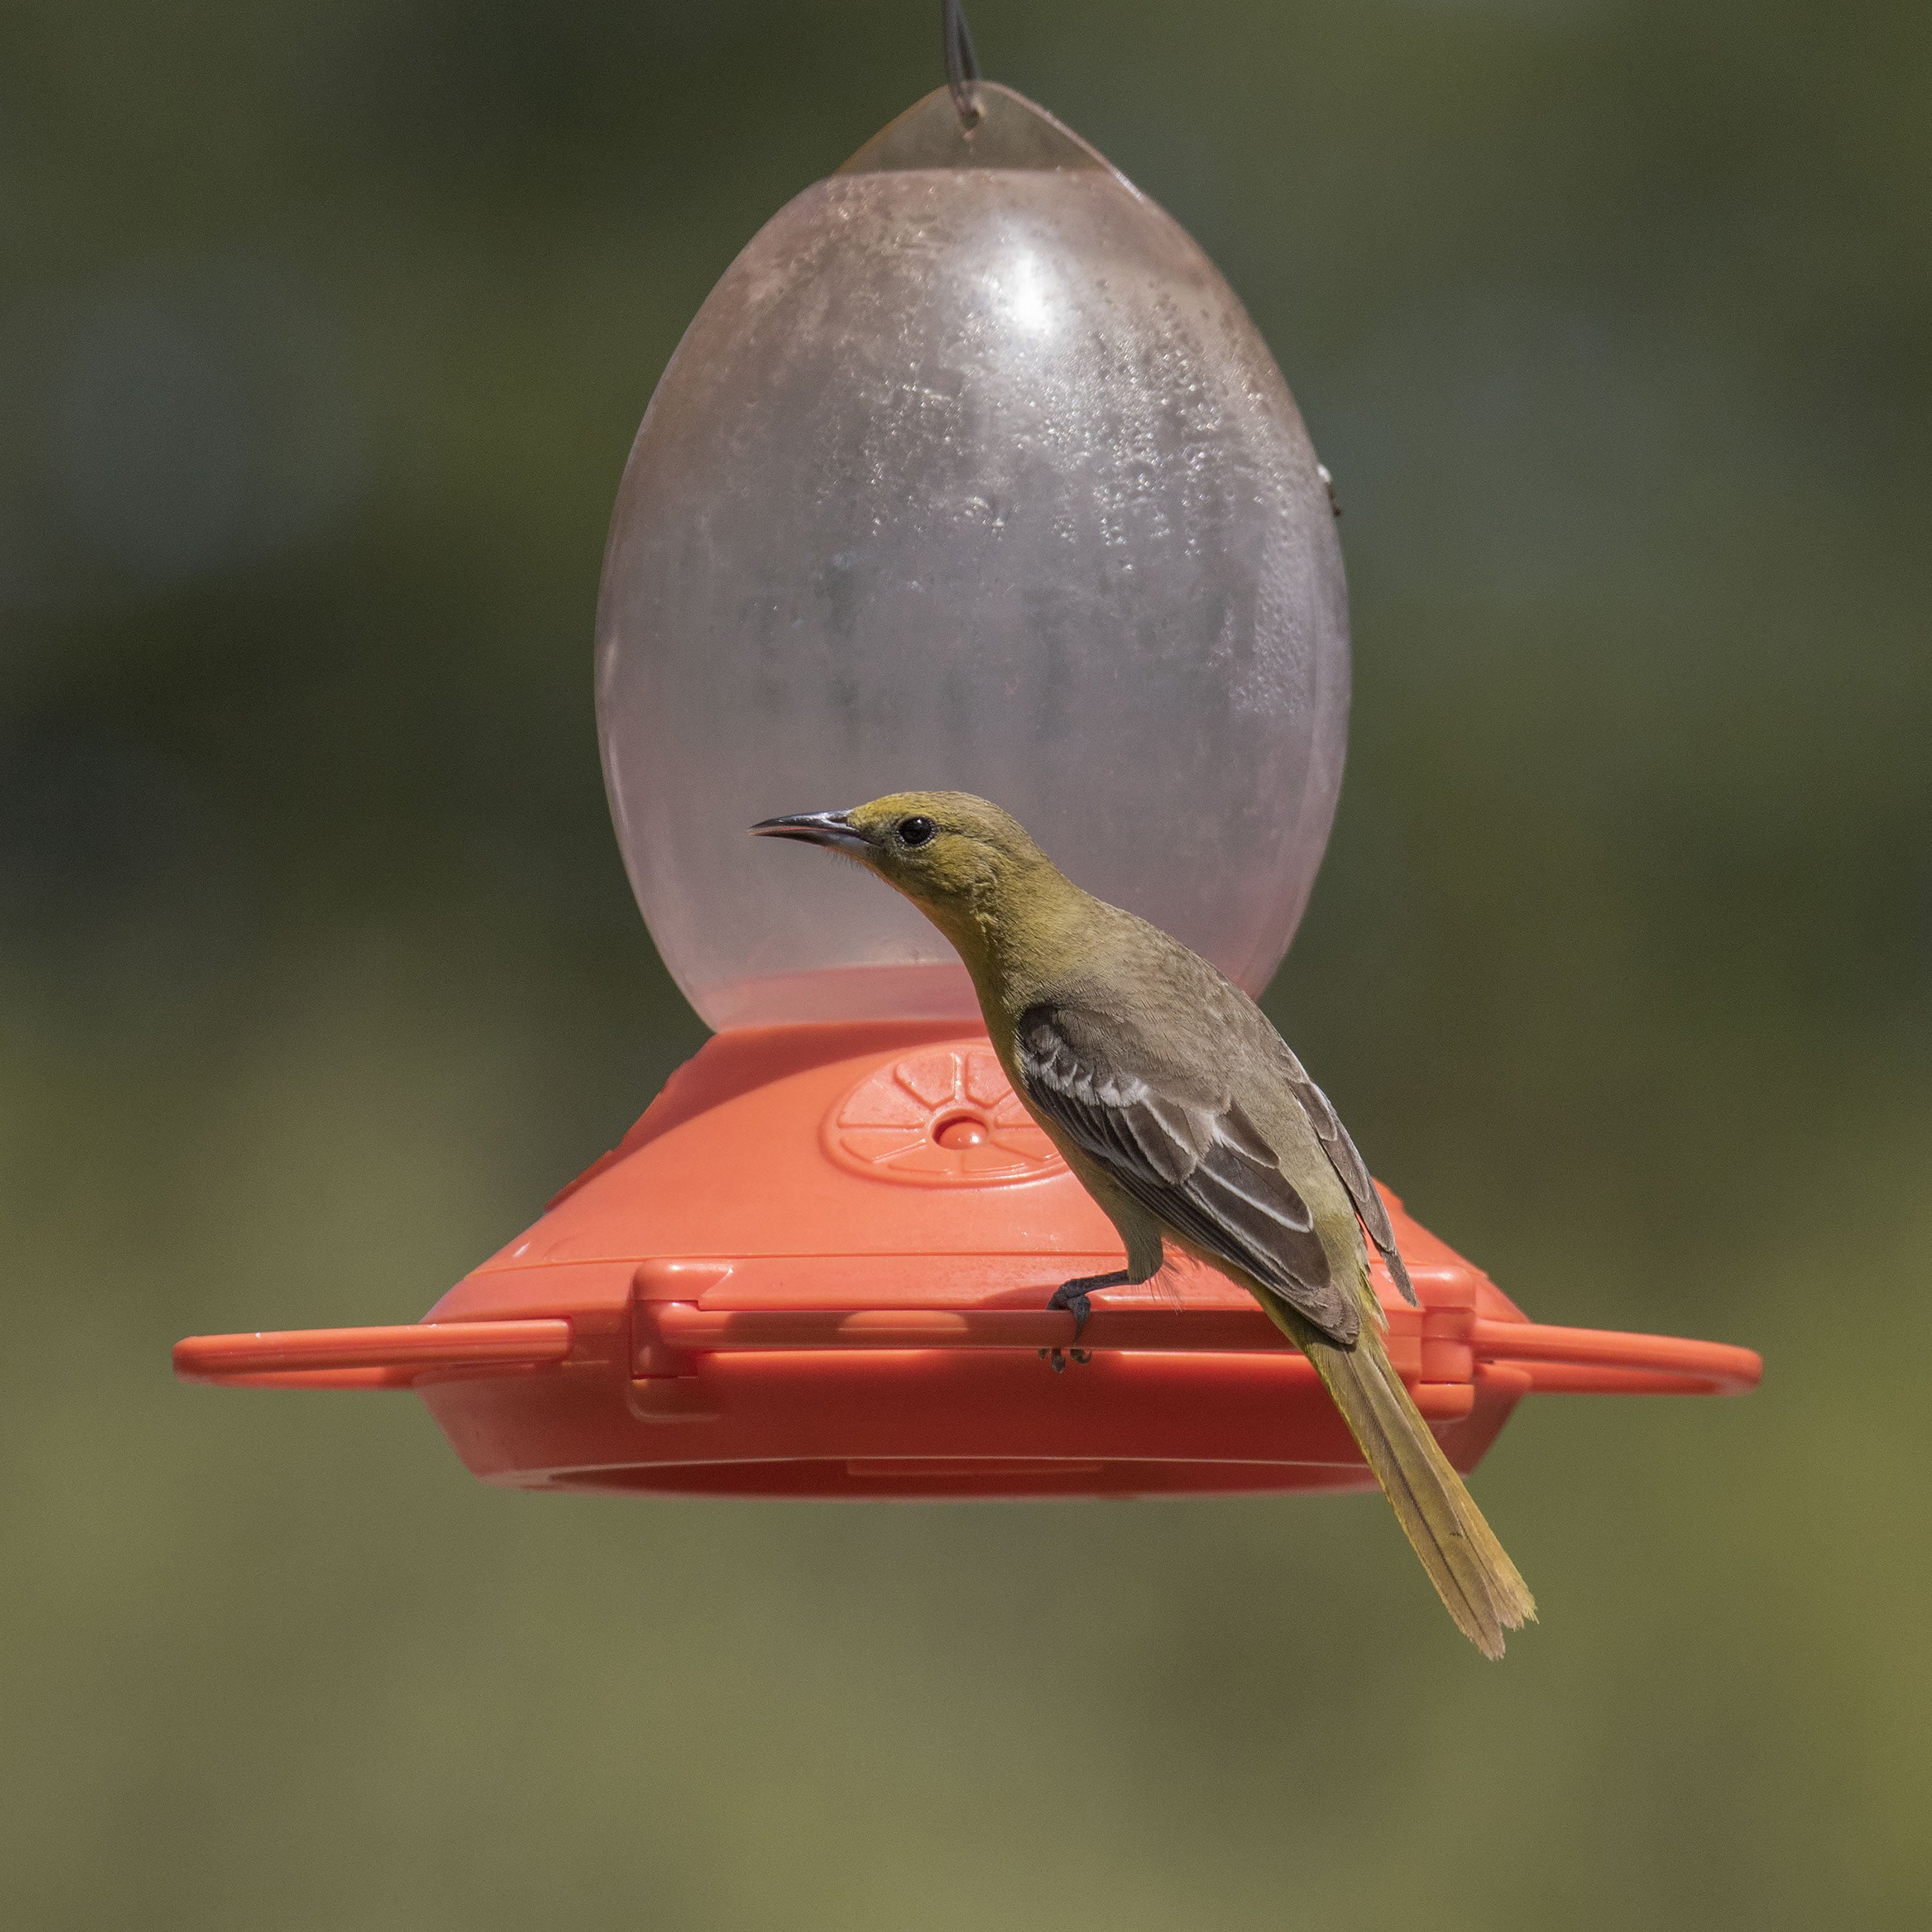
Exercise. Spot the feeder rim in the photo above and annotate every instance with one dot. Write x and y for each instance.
(1554, 1361)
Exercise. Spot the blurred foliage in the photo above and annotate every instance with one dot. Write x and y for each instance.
(326, 325)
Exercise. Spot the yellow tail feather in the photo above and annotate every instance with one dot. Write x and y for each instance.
(1477, 1582)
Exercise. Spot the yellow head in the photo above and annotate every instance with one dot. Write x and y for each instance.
(963, 862)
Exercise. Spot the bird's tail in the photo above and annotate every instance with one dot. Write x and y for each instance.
(1470, 1570)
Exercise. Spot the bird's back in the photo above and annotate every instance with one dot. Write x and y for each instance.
(1147, 1007)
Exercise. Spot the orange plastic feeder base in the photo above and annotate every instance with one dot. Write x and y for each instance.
(817, 1266)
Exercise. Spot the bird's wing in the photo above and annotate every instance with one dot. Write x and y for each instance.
(1193, 1160)
(1349, 1165)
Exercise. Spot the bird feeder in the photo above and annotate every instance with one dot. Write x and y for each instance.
(971, 473)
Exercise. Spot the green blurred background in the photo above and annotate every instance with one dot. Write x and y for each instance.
(325, 327)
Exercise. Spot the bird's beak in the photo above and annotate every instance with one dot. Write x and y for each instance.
(833, 830)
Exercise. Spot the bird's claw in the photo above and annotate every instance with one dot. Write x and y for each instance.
(1073, 1299)
(1071, 1296)
(1060, 1358)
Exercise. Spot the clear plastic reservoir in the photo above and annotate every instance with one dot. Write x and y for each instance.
(970, 473)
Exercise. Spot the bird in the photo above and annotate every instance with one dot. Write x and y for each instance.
(1185, 1114)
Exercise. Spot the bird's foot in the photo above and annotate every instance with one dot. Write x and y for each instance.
(1072, 1295)
(1060, 1358)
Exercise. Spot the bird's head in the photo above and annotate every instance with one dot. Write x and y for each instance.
(958, 858)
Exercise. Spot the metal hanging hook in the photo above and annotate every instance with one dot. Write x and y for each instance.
(962, 64)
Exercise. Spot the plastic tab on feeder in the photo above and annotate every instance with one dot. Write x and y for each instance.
(971, 473)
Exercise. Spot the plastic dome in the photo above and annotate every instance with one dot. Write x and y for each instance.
(971, 473)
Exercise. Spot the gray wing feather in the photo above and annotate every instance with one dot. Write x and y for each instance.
(1201, 1168)
(1350, 1166)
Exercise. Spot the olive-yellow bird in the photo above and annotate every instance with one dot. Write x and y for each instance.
(1184, 1114)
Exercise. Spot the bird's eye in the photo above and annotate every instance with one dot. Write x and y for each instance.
(915, 831)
